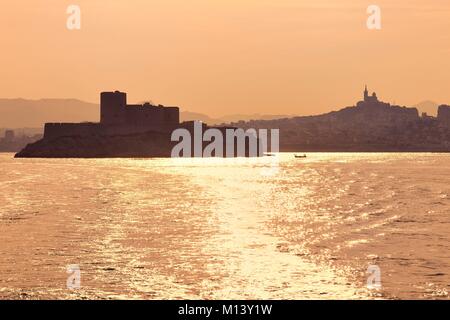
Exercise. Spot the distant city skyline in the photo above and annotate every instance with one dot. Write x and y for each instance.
(228, 57)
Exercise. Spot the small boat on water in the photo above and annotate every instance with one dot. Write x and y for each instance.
(299, 156)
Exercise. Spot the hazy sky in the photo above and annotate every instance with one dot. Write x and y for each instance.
(227, 56)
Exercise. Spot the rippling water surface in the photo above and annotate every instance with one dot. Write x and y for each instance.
(226, 228)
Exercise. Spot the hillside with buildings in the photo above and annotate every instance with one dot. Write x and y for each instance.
(370, 125)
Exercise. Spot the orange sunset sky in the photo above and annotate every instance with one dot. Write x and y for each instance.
(228, 56)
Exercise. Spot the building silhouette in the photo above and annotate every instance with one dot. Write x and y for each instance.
(119, 118)
(371, 100)
(114, 110)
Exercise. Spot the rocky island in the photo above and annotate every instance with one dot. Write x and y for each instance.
(123, 131)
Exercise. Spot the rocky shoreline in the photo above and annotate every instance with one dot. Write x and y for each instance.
(149, 144)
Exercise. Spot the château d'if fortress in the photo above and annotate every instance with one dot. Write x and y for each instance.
(119, 118)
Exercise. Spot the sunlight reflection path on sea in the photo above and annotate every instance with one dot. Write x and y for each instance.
(219, 229)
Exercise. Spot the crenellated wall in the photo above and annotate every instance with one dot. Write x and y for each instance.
(157, 117)
(54, 130)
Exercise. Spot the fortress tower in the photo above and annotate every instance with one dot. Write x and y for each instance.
(112, 107)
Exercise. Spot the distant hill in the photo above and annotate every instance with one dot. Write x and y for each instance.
(190, 116)
(22, 113)
(248, 117)
(187, 116)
